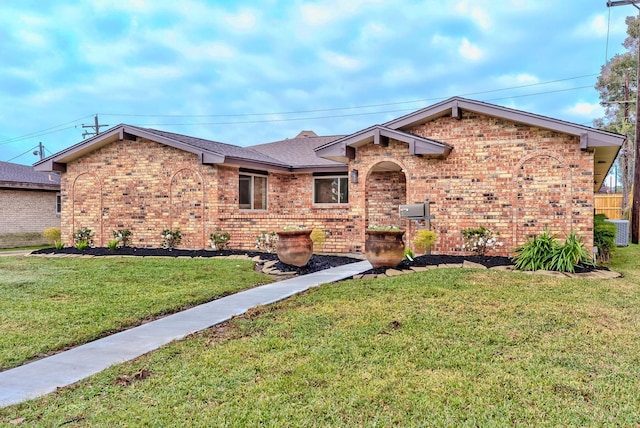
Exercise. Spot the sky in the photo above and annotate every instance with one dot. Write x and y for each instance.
(248, 72)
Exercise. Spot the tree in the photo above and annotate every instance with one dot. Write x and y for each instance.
(617, 87)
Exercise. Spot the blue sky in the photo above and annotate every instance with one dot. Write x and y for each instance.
(249, 72)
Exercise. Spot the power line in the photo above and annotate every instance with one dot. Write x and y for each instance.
(60, 128)
(22, 154)
(46, 131)
(292, 119)
(96, 127)
(358, 107)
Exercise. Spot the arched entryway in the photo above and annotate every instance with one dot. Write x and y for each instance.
(386, 188)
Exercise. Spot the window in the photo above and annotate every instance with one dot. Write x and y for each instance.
(331, 190)
(58, 203)
(253, 192)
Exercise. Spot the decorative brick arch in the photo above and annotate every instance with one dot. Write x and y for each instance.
(542, 196)
(384, 190)
(86, 205)
(187, 206)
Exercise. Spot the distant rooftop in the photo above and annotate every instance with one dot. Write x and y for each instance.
(16, 176)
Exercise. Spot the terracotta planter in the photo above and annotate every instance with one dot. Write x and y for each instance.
(294, 247)
(384, 248)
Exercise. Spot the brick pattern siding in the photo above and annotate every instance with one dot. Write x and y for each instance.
(24, 215)
(515, 179)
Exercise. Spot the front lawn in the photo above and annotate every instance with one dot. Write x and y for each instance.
(446, 347)
(48, 304)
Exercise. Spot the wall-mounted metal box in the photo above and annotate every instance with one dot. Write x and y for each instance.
(412, 211)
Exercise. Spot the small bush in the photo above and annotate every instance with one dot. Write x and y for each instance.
(84, 235)
(391, 228)
(409, 255)
(267, 241)
(220, 241)
(572, 253)
(113, 244)
(543, 252)
(171, 238)
(123, 236)
(479, 240)
(317, 237)
(82, 245)
(52, 234)
(59, 245)
(604, 237)
(535, 254)
(424, 239)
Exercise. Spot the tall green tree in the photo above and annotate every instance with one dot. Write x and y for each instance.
(617, 85)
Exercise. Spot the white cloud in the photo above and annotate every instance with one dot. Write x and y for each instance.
(597, 26)
(341, 61)
(245, 20)
(469, 51)
(321, 14)
(400, 75)
(586, 110)
(520, 79)
(477, 15)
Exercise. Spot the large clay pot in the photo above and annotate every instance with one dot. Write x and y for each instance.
(294, 247)
(384, 248)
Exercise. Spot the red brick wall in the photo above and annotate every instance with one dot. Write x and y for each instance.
(142, 186)
(514, 179)
(146, 187)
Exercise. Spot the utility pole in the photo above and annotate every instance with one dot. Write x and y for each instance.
(40, 151)
(96, 128)
(635, 207)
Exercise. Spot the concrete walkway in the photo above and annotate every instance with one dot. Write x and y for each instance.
(44, 376)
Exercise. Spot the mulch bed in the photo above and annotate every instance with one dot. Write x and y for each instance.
(317, 262)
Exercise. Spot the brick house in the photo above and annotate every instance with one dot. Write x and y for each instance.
(476, 163)
(29, 204)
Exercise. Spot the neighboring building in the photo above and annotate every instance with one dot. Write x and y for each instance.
(477, 164)
(29, 204)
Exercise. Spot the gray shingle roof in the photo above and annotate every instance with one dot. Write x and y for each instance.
(224, 149)
(24, 176)
(299, 152)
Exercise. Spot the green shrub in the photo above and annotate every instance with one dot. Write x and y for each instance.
(479, 240)
(543, 252)
(604, 237)
(171, 238)
(113, 244)
(409, 255)
(220, 241)
(82, 245)
(83, 234)
(59, 245)
(267, 241)
(572, 253)
(51, 234)
(424, 239)
(535, 254)
(122, 236)
(317, 237)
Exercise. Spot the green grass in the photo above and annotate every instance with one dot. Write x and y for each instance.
(32, 248)
(48, 304)
(447, 347)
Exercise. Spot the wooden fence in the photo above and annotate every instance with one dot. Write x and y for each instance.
(609, 205)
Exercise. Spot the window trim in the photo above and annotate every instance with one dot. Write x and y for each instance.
(252, 174)
(332, 177)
